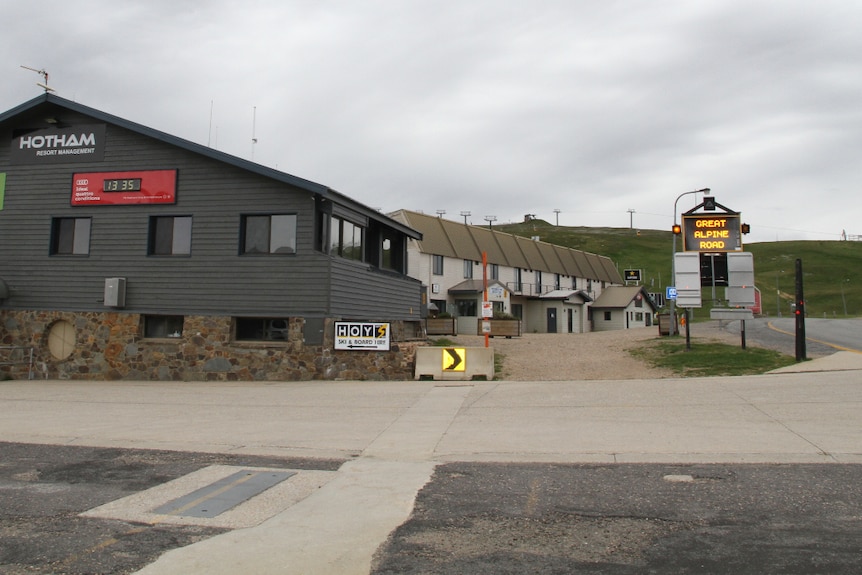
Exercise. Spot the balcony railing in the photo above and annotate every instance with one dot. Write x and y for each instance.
(529, 289)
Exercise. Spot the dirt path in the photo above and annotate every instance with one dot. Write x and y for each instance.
(596, 355)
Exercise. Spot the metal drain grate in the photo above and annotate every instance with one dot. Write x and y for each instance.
(224, 494)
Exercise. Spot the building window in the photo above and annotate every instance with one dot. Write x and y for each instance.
(347, 239)
(466, 307)
(468, 269)
(261, 329)
(519, 283)
(607, 316)
(163, 326)
(386, 260)
(538, 282)
(438, 265)
(269, 234)
(495, 272)
(518, 310)
(70, 236)
(392, 252)
(170, 236)
(440, 304)
(557, 283)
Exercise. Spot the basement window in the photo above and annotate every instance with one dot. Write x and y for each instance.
(261, 328)
(159, 326)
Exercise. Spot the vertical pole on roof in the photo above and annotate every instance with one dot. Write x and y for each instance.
(485, 285)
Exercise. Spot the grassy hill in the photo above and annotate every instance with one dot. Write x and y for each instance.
(832, 270)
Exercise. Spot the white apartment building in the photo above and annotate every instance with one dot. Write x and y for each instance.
(549, 287)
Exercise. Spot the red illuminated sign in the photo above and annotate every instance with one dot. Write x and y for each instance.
(124, 188)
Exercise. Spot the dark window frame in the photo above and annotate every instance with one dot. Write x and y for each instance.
(437, 265)
(339, 228)
(261, 329)
(159, 326)
(68, 241)
(467, 307)
(258, 237)
(162, 238)
(468, 269)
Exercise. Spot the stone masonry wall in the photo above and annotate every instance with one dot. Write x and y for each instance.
(109, 346)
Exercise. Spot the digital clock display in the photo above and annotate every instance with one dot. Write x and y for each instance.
(124, 188)
(125, 185)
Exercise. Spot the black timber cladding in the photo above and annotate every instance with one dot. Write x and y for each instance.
(216, 190)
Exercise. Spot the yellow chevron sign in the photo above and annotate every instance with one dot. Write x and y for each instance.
(454, 359)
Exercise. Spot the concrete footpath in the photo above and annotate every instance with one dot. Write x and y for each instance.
(393, 434)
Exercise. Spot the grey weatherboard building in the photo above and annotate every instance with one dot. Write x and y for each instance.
(208, 267)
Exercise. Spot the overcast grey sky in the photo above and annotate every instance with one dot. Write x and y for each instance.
(497, 107)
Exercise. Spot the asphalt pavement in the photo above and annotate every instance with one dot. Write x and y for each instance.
(762, 439)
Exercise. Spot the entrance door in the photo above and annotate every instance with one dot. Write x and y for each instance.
(552, 320)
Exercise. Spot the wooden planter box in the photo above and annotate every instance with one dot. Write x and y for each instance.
(501, 327)
(440, 326)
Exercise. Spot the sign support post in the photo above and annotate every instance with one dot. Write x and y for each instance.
(485, 288)
(800, 314)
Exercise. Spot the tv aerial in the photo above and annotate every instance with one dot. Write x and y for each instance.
(44, 74)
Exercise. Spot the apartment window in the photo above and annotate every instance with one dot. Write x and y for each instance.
(70, 236)
(538, 282)
(347, 239)
(468, 269)
(495, 272)
(163, 326)
(261, 329)
(170, 236)
(607, 316)
(519, 283)
(557, 281)
(269, 234)
(438, 265)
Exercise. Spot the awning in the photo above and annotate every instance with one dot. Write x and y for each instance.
(564, 294)
(473, 286)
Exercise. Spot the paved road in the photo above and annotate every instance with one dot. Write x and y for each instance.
(613, 476)
(823, 336)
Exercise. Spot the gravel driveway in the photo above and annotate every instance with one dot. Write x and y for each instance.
(576, 356)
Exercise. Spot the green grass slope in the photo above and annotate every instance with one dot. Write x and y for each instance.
(832, 270)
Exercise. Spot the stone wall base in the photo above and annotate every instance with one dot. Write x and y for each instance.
(110, 346)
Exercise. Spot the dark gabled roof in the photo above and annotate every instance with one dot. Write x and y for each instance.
(619, 297)
(321, 190)
(458, 240)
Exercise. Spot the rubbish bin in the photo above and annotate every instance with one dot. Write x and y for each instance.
(664, 323)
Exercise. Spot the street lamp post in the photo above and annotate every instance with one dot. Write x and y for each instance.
(673, 258)
(843, 299)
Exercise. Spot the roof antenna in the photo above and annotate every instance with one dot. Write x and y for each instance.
(44, 74)
(253, 137)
